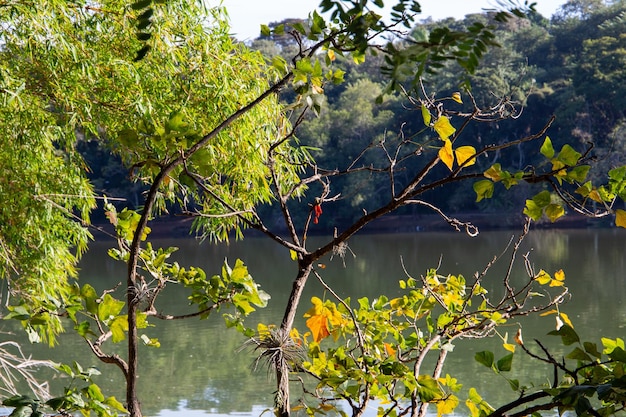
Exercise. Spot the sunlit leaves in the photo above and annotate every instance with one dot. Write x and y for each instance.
(465, 155)
(544, 278)
(426, 116)
(546, 149)
(446, 154)
(323, 319)
(561, 318)
(483, 189)
(476, 404)
(544, 203)
(443, 127)
(620, 218)
(394, 332)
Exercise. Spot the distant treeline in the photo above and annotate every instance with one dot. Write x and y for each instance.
(572, 66)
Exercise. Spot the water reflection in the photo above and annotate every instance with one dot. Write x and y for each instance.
(201, 370)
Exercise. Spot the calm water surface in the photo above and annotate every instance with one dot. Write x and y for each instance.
(200, 369)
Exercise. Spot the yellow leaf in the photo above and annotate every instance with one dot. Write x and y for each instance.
(509, 346)
(547, 313)
(396, 303)
(447, 405)
(566, 320)
(595, 196)
(317, 308)
(295, 335)
(446, 155)
(331, 55)
(262, 330)
(443, 128)
(465, 153)
(327, 407)
(457, 97)
(559, 275)
(620, 218)
(293, 254)
(494, 173)
(474, 411)
(543, 277)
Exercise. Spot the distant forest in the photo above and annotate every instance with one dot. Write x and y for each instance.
(572, 66)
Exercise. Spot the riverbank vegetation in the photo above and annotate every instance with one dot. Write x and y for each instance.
(289, 140)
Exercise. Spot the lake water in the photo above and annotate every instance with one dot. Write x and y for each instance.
(200, 369)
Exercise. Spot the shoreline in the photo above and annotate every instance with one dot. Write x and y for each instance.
(180, 227)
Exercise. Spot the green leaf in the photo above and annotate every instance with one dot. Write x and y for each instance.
(483, 189)
(514, 384)
(90, 296)
(485, 358)
(83, 329)
(115, 404)
(618, 354)
(241, 302)
(109, 308)
(554, 211)
(546, 149)
(568, 155)
(428, 388)
(279, 30)
(579, 354)
(176, 122)
(94, 392)
(265, 30)
(579, 173)
(568, 335)
(532, 210)
(505, 363)
(543, 198)
(592, 349)
(119, 327)
(426, 116)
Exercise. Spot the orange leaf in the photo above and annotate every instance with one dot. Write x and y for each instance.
(318, 325)
(390, 350)
(446, 155)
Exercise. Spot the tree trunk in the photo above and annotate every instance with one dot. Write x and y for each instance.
(132, 403)
(282, 372)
